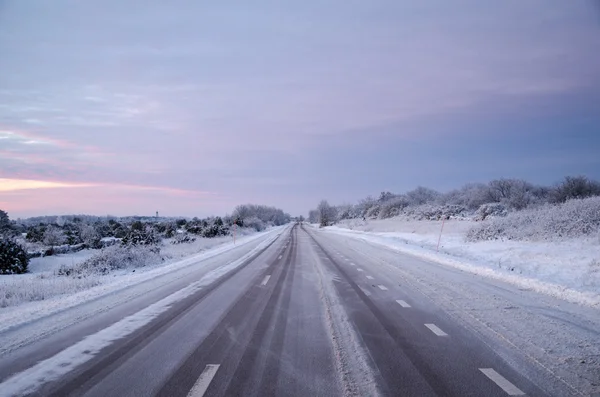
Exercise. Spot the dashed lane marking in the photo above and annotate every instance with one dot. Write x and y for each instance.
(436, 330)
(266, 280)
(382, 287)
(204, 380)
(502, 382)
(402, 303)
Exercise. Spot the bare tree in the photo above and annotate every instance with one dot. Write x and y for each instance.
(422, 195)
(326, 213)
(574, 187)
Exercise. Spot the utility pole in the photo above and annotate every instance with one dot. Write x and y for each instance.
(157, 215)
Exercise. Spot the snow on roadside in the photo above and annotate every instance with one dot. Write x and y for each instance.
(29, 311)
(567, 269)
(42, 281)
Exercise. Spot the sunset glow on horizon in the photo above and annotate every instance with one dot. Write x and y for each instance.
(198, 106)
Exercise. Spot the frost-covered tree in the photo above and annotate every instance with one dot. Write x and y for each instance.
(313, 216)
(422, 195)
(268, 215)
(575, 187)
(6, 227)
(327, 215)
(514, 193)
(53, 236)
(13, 258)
(90, 236)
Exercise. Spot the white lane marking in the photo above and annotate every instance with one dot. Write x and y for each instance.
(359, 269)
(501, 381)
(346, 259)
(436, 330)
(280, 256)
(382, 287)
(402, 303)
(352, 264)
(370, 277)
(204, 380)
(365, 291)
(266, 280)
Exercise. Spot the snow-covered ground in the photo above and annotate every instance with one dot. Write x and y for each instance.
(569, 269)
(42, 282)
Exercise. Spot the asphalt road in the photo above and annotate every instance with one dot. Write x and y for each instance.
(307, 315)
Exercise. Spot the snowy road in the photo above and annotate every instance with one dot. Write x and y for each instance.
(310, 313)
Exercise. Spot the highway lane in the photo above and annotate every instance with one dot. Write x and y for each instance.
(308, 314)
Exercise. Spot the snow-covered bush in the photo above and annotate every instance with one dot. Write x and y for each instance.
(430, 212)
(114, 258)
(140, 234)
(90, 236)
(13, 258)
(393, 207)
(373, 212)
(490, 209)
(183, 238)
(254, 223)
(53, 236)
(575, 218)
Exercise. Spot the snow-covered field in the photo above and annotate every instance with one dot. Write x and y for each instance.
(569, 269)
(43, 283)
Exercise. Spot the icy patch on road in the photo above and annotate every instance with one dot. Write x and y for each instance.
(53, 368)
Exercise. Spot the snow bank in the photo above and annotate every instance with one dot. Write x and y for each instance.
(569, 269)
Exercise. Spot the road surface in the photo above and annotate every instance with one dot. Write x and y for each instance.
(306, 314)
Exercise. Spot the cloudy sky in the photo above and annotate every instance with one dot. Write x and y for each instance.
(191, 107)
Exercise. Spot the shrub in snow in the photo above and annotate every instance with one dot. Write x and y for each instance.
(490, 209)
(430, 212)
(53, 236)
(182, 238)
(114, 258)
(13, 258)
(90, 236)
(140, 234)
(373, 212)
(393, 207)
(572, 219)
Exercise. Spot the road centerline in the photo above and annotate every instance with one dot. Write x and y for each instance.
(266, 280)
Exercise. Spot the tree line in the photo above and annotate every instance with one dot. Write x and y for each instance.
(498, 196)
